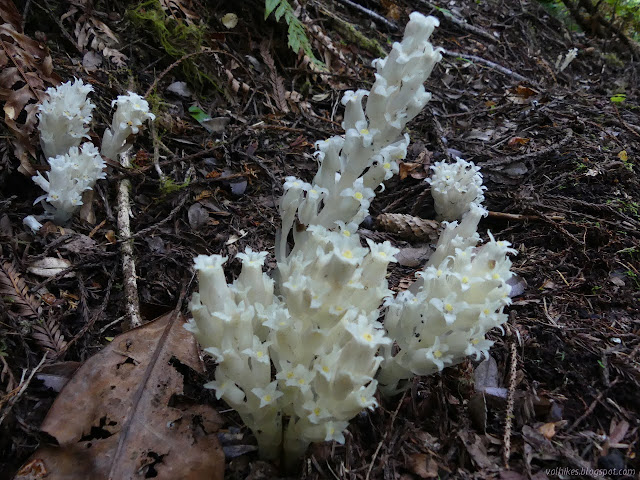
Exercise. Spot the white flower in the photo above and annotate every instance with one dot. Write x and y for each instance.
(366, 333)
(478, 346)
(298, 377)
(382, 252)
(359, 193)
(209, 262)
(267, 395)
(252, 258)
(365, 395)
(259, 351)
(326, 365)
(437, 354)
(295, 184)
(317, 413)
(334, 431)
(448, 306)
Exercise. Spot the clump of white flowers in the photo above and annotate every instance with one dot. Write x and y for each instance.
(458, 297)
(70, 175)
(454, 187)
(131, 112)
(568, 58)
(64, 117)
(297, 356)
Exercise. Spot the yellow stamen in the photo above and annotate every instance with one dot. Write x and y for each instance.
(347, 254)
(358, 196)
(448, 307)
(437, 354)
(368, 337)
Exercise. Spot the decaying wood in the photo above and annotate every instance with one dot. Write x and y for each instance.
(128, 260)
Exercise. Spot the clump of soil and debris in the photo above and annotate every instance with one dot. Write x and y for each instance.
(237, 111)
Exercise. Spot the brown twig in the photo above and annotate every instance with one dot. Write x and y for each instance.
(460, 23)
(506, 438)
(12, 397)
(590, 409)
(490, 64)
(386, 435)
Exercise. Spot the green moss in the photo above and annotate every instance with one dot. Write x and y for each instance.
(176, 37)
(169, 186)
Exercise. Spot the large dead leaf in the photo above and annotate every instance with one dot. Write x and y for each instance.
(122, 416)
(25, 71)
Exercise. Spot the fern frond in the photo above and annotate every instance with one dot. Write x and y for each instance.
(296, 34)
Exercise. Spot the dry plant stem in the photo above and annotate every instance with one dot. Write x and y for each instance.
(463, 24)
(490, 64)
(506, 439)
(20, 389)
(373, 15)
(128, 260)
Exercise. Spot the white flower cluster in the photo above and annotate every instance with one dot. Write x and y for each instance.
(353, 166)
(454, 187)
(321, 336)
(69, 176)
(458, 297)
(131, 112)
(316, 326)
(561, 64)
(64, 117)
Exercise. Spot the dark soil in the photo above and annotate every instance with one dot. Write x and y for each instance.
(559, 158)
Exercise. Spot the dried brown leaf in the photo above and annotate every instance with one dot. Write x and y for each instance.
(25, 70)
(13, 286)
(118, 418)
(92, 33)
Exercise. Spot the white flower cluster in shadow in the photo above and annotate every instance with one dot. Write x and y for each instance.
(64, 120)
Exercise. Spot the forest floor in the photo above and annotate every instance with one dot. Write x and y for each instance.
(559, 154)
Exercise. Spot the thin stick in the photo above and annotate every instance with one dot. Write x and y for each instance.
(462, 23)
(393, 419)
(489, 64)
(506, 439)
(373, 15)
(128, 260)
(22, 388)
